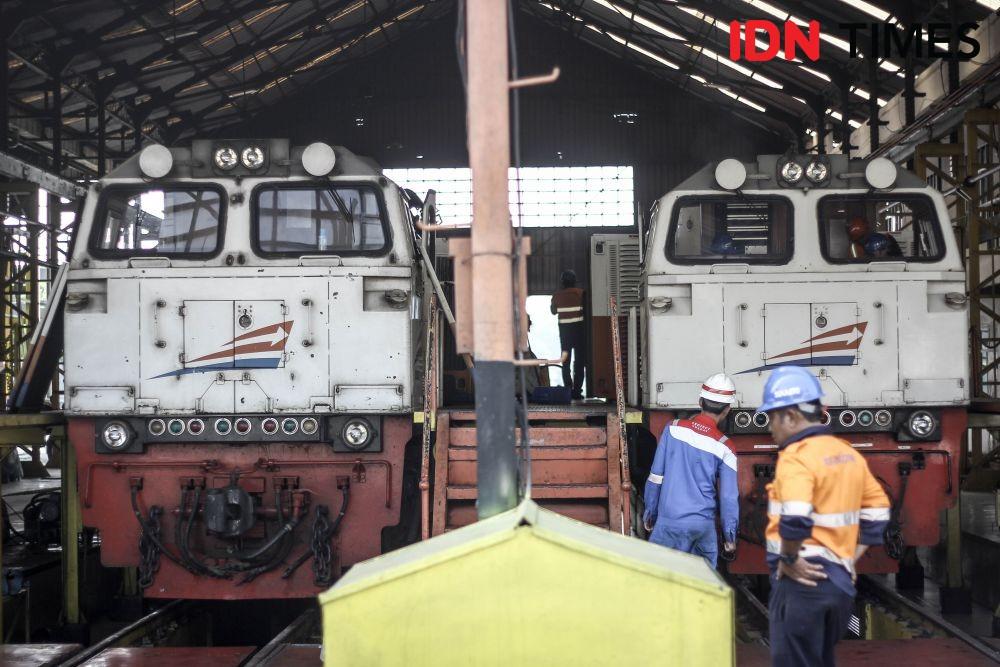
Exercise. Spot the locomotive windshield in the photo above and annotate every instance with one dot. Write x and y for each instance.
(319, 220)
(158, 221)
(715, 229)
(872, 228)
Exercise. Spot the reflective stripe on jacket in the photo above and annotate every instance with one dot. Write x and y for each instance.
(567, 303)
(824, 494)
(692, 457)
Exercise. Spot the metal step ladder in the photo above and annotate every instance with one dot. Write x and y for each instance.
(575, 466)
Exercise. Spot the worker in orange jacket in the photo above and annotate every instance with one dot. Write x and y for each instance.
(825, 508)
(567, 304)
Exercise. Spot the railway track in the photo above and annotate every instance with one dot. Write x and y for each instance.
(181, 632)
(890, 627)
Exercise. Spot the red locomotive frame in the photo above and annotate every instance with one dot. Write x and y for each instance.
(930, 489)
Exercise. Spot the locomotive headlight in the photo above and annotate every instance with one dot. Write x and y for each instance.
(253, 157)
(921, 424)
(225, 158)
(116, 435)
(791, 172)
(155, 161)
(881, 173)
(318, 159)
(356, 433)
(817, 171)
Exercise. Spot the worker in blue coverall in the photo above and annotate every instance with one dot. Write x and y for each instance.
(693, 473)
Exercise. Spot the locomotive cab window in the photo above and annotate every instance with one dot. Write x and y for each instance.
(168, 221)
(872, 228)
(714, 230)
(337, 220)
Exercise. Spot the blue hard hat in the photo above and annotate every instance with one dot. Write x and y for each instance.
(790, 385)
(723, 244)
(876, 243)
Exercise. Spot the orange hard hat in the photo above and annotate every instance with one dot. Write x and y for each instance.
(858, 228)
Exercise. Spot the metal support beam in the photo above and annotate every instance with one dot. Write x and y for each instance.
(102, 135)
(874, 124)
(4, 91)
(492, 246)
(70, 535)
(14, 167)
(845, 118)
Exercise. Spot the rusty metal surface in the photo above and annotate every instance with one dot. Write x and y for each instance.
(928, 492)
(948, 652)
(171, 656)
(374, 501)
(296, 655)
(596, 514)
(36, 655)
(544, 412)
(540, 436)
(575, 467)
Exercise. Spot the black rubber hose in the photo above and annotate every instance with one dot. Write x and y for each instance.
(285, 529)
(145, 529)
(308, 553)
(185, 544)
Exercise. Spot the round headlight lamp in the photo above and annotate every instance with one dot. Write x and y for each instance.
(253, 157)
(921, 424)
(817, 171)
(318, 159)
(116, 435)
(356, 433)
(881, 173)
(791, 172)
(155, 161)
(225, 158)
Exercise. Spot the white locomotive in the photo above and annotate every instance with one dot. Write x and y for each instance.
(846, 267)
(239, 354)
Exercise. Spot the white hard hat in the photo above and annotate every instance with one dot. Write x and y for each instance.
(719, 388)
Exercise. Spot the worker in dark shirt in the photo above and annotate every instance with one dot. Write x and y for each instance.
(567, 303)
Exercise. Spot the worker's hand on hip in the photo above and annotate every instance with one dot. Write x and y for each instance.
(802, 571)
(647, 525)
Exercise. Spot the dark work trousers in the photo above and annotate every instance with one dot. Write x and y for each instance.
(806, 622)
(571, 336)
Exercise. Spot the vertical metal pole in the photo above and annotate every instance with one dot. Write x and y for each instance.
(54, 211)
(70, 533)
(4, 86)
(102, 135)
(874, 127)
(845, 119)
(492, 246)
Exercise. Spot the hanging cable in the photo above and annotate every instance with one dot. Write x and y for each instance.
(518, 258)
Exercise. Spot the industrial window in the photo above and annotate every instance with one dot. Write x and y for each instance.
(549, 196)
(871, 228)
(175, 221)
(715, 230)
(330, 220)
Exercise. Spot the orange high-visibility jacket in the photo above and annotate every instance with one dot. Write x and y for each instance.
(567, 303)
(824, 494)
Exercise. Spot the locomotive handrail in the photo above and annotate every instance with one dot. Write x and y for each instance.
(543, 362)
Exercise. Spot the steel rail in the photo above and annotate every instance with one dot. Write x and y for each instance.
(295, 630)
(131, 633)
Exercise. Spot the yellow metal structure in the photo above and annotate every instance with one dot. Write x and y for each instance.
(529, 587)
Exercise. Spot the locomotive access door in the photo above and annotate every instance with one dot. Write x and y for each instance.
(811, 334)
(208, 334)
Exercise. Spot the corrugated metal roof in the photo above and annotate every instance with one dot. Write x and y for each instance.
(172, 69)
